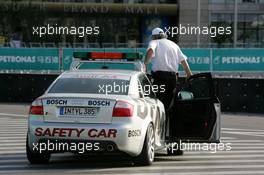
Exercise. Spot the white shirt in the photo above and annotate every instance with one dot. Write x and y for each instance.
(167, 55)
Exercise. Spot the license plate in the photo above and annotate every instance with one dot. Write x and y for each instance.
(78, 111)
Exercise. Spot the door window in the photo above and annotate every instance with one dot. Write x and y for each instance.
(146, 86)
(196, 88)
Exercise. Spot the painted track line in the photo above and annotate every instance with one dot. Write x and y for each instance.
(15, 115)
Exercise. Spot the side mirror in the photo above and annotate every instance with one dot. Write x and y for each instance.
(185, 95)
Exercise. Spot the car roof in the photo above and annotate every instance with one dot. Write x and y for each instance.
(120, 74)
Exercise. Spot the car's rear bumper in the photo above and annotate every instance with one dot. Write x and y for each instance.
(106, 136)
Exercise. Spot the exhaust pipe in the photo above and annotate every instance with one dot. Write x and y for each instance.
(110, 148)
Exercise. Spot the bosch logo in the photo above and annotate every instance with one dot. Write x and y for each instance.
(98, 103)
(134, 133)
(56, 102)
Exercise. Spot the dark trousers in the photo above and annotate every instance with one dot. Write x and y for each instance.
(167, 80)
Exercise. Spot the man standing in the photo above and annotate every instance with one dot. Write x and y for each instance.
(165, 57)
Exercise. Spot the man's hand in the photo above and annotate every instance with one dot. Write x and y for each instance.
(145, 68)
(189, 75)
(187, 69)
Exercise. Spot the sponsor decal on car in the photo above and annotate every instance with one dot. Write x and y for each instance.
(77, 132)
(106, 133)
(134, 133)
(56, 102)
(58, 132)
(98, 103)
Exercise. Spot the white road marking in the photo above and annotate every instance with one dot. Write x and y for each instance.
(12, 134)
(16, 115)
(249, 147)
(179, 167)
(12, 152)
(9, 137)
(240, 129)
(244, 133)
(13, 148)
(248, 144)
(12, 144)
(234, 161)
(229, 156)
(244, 141)
(189, 173)
(228, 138)
(13, 141)
(227, 152)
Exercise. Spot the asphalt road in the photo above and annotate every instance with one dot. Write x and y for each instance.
(243, 132)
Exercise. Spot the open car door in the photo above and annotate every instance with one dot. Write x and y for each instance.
(195, 114)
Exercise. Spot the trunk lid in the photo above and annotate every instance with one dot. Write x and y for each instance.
(78, 109)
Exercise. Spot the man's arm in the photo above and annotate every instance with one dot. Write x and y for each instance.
(186, 67)
(148, 58)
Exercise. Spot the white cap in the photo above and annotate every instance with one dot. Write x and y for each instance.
(157, 31)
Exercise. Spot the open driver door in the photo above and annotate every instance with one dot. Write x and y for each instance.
(195, 114)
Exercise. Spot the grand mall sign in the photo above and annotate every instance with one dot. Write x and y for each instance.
(93, 8)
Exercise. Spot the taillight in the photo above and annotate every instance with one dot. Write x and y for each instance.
(36, 107)
(123, 109)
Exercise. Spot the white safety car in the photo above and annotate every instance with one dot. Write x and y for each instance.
(103, 108)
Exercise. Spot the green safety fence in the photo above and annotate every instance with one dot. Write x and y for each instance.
(238, 59)
(59, 59)
(29, 59)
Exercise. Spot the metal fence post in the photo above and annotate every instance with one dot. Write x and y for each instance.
(211, 60)
(61, 59)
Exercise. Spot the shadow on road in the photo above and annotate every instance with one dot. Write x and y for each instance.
(68, 161)
(18, 161)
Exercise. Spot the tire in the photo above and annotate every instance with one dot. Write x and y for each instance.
(147, 154)
(36, 157)
(175, 151)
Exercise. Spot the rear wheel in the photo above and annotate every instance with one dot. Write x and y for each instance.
(34, 157)
(147, 154)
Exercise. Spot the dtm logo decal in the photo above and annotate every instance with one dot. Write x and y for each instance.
(76, 132)
(56, 102)
(98, 103)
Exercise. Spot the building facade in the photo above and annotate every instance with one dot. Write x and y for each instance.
(128, 23)
(122, 23)
(245, 17)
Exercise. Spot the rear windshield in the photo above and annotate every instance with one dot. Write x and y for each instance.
(91, 86)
